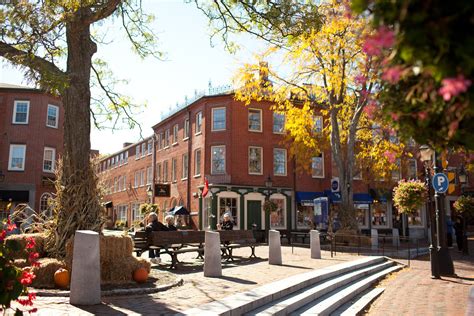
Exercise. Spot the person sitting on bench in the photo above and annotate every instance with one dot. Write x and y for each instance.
(154, 225)
(226, 224)
(169, 219)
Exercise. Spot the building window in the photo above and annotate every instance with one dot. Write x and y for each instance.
(218, 119)
(229, 205)
(278, 123)
(362, 214)
(357, 171)
(185, 166)
(167, 138)
(158, 172)
(150, 146)
(279, 162)
(45, 205)
(198, 122)
(137, 152)
(415, 219)
(317, 166)
(21, 111)
(318, 124)
(52, 116)
(16, 161)
(186, 129)
(137, 179)
(124, 185)
(143, 149)
(126, 157)
(149, 175)
(116, 185)
(396, 172)
(278, 217)
(175, 134)
(122, 214)
(255, 120)
(174, 163)
(217, 159)
(255, 160)
(49, 159)
(197, 162)
(165, 171)
(158, 141)
(412, 169)
(379, 214)
(120, 184)
(142, 177)
(137, 216)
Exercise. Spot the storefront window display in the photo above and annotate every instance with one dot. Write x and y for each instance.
(277, 218)
(379, 214)
(415, 219)
(362, 212)
(304, 217)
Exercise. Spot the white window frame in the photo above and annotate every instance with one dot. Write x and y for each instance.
(286, 164)
(165, 171)
(186, 129)
(142, 177)
(22, 168)
(167, 138)
(124, 178)
(198, 123)
(57, 116)
(416, 168)
(260, 119)
(136, 182)
(324, 171)
(158, 140)
(175, 134)
(137, 152)
(15, 103)
(197, 164)
(144, 149)
(261, 160)
(149, 146)
(174, 169)
(53, 158)
(212, 156)
(399, 171)
(185, 164)
(149, 175)
(158, 172)
(225, 119)
(317, 118)
(273, 123)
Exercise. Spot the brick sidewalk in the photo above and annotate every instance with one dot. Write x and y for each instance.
(413, 292)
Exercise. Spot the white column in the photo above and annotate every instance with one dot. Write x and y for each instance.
(274, 247)
(212, 254)
(395, 237)
(374, 236)
(85, 279)
(315, 244)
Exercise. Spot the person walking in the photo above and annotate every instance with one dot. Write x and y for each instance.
(154, 225)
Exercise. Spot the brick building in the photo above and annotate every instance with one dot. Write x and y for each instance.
(240, 150)
(31, 140)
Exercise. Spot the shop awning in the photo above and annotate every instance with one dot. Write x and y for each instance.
(307, 197)
(359, 198)
(16, 196)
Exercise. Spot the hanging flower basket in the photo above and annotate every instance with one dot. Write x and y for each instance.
(465, 205)
(270, 206)
(409, 196)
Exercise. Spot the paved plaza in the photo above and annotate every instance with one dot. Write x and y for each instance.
(408, 292)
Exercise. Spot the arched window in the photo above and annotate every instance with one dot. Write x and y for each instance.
(45, 207)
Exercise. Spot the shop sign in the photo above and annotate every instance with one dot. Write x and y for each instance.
(162, 190)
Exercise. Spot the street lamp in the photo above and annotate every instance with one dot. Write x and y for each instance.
(462, 176)
(441, 262)
(149, 193)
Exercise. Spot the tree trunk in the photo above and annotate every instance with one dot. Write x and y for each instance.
(78, 199)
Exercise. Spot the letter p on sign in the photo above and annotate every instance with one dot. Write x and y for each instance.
(440, 182)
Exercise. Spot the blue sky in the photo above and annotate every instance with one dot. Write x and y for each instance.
(191, 62)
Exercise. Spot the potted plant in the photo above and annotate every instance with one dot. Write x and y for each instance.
(465, 206)
(409, 196)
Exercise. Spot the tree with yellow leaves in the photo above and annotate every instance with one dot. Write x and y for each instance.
(325, 77)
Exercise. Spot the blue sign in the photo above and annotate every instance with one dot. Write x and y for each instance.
(440, 182)
(335, 185)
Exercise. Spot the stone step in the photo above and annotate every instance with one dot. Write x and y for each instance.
(328, 303)
(244, 302)
(357, 305)
(307, 295)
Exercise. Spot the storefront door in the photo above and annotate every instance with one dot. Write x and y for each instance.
(254, 214)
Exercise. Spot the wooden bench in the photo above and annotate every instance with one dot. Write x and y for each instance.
(232, 239)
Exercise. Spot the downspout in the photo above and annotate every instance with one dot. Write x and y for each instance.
(188, 194)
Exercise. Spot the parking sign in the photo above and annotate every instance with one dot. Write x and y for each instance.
(440, 182)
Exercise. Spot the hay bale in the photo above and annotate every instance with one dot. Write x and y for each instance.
(117, 262)
(44, 273)
(21, 239)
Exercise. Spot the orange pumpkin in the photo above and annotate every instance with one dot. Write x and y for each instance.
(62, 278)
(140, 275)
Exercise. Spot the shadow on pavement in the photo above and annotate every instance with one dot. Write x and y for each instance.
(139, 304)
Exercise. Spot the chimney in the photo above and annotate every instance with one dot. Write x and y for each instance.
(126, 144)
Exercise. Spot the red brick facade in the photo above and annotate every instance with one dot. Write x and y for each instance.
(28, 181)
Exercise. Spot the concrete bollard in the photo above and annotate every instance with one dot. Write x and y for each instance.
(374, 238)
(395, 237)
(85, 278)
(212, 254)
(274, 247)
(470, 303)
(315, 244)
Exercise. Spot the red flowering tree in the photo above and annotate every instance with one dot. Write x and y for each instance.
(13, 280)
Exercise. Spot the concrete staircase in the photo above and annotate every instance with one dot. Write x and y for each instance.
(319, 292)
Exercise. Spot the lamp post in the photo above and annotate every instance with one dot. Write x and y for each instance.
(268, 192)
(441, 262)
(149, 193)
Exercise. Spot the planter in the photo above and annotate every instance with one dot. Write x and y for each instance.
(409, 196)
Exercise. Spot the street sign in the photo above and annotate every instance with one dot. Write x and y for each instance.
(335, 185)
(440, 182)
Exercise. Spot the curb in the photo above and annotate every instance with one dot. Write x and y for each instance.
(116, 292)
